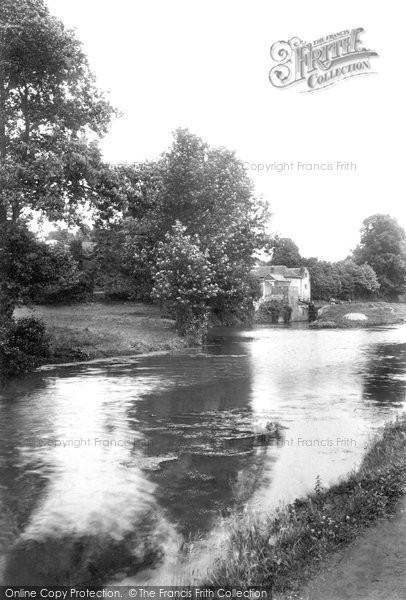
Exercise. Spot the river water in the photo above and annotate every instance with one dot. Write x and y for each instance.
(119, 471)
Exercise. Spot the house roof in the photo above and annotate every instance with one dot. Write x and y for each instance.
(264, 271)
(276, 277)
(296, 272)
(274, 271)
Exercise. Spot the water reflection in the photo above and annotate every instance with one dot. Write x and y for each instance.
(199, 438)
(384, 381)
(76, 439)
(106, 468)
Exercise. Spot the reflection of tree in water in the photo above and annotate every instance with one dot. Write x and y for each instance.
(198, 444)
(204, 451)
(81, 559)
(55, 528)
(15, 503)
(21, 489)
(384, 380)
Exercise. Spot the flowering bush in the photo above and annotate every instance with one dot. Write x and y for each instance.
(184, 282)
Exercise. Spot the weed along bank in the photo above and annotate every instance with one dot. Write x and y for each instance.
(287, 292)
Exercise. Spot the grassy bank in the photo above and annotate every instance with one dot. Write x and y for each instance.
(286, 549)
(377, 313)
(98, 330)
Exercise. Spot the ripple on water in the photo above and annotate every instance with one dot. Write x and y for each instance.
(195, 446)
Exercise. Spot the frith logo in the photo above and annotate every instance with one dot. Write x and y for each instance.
(321, 63)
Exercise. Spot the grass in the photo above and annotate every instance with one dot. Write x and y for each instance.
(378, 313)
(283, 551)
(99, 330)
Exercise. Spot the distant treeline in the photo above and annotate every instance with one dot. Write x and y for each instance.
(375, 269)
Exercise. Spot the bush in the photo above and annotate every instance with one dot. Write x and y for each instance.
(66, 291)
(121, 287)
(183, 283)
(24, 345)
(62, 281)
(271, 310)
(235, 306)
(32, 271)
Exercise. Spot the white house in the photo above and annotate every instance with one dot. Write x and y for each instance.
(292, 285)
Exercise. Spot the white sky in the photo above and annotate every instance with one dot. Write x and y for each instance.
(204, 65)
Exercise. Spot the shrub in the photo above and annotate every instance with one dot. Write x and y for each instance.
(234, 305)
(24, 345)
(79, 289)
(32, 271)
(271, 310)
(120, 286)
(62, 281)
(183, 283)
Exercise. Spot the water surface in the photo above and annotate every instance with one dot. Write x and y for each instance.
(108, 470)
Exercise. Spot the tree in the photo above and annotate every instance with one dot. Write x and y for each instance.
(356, 281)
(36, 272)
(21, 257)
(383, 247)
(49, 106)
(123, 264)
(125, 244)
(51, 114)
(206, 190)
(285, 252)
(343, 280)
(324, 278)
(184, 281)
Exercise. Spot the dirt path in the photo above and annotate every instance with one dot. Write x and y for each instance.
(373, 568)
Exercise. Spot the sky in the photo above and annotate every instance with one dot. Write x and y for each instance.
(204, 66)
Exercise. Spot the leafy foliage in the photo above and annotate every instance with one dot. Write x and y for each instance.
(50, 115)
(32, 271)
(206, 191)
(271, 310)
(357, 281)
(24, 345)
(62, 281)
(383, 247)
(184, 282)
(343, 280)
(285, 252)
(123, 264)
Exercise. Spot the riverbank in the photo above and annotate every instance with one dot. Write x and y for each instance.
(372, 568)
(288, 548)
(360, 314)
(102, 330)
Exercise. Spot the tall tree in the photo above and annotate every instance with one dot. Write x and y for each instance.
(51, 114)
(207, 191)
(383, 247)
(285, 252)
